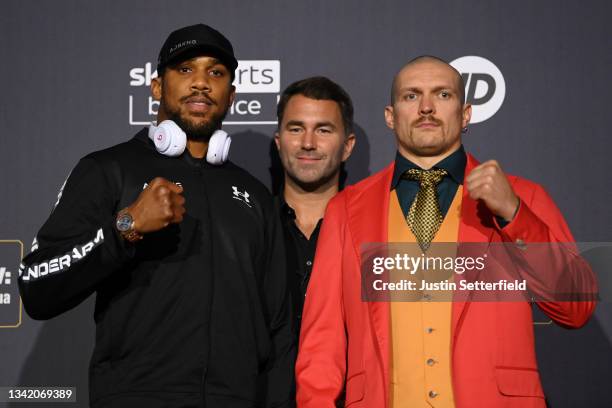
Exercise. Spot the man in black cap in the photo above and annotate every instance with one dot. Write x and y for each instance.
(183, 250)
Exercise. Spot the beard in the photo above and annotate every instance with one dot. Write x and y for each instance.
(201, 131)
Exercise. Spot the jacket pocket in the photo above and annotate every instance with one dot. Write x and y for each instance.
(519, 382)
(355, 386)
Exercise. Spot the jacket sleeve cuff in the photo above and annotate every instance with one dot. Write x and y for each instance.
(118, 248)
(524, 227)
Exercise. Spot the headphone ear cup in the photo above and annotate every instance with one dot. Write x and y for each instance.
(218, 147)
(152, 129)
(169, 138)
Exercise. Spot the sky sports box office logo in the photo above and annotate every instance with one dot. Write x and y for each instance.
(257, 91)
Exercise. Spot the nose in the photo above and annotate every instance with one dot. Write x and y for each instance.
(309, 140)
(201, 81)
(426, 107)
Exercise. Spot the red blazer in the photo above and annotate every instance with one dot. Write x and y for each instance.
(492, 344)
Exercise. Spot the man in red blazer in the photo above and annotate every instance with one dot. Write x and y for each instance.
(345, 342)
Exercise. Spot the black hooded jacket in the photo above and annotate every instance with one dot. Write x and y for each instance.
(194, 315)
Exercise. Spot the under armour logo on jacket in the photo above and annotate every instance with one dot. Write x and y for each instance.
(244, 197)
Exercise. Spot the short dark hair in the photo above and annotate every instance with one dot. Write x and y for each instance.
(424, 58)
(319, 88)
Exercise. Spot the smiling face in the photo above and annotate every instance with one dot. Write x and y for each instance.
(196, 94)
(312, 142)
(427, 113)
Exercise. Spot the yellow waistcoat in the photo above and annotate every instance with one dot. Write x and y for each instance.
(420, 330)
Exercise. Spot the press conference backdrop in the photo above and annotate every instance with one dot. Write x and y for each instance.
(75, 78)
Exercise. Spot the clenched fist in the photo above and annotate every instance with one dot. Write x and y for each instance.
(488, 183)
(159, 205)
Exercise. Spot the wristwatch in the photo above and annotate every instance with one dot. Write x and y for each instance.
(125, 226)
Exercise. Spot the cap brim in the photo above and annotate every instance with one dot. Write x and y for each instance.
(210, 50)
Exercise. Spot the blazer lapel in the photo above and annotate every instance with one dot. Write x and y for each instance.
(476, 225)
(368, 218)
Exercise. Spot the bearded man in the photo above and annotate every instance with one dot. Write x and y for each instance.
(182, 249)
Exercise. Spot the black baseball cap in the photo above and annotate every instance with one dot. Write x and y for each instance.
(196, 37)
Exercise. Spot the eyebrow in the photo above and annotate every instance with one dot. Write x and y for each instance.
(326, 123)
(294, 123)
(213, 62)
(443, 88)
(419, 90)
(317, 124)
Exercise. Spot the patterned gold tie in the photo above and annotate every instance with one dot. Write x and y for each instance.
(424, 217)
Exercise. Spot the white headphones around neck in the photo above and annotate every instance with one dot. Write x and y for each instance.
(170, 140)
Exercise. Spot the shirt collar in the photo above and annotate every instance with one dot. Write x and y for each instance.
(285, 208)
(453, 164)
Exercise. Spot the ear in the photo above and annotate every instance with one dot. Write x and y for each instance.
(277, 140)
(349, 144)
(389, 117)
(467, 115)
(156, 88)
(232, 95)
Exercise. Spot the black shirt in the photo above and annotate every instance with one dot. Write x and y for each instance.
(447, 188)
(300, 255)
